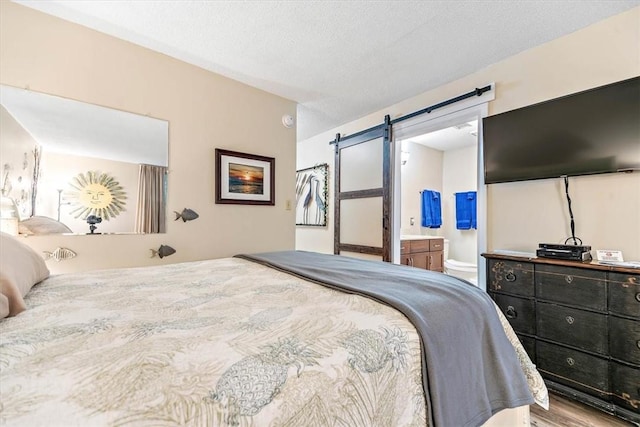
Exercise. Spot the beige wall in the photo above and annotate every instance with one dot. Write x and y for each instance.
(422, 171)
(318, 239)
(520, 215)
(460, 173)
(205, 111)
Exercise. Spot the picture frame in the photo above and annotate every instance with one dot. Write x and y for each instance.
(312, 193)
(244, 179)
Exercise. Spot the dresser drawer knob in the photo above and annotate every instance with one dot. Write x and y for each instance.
(570, 361)
(570, 320)
(638, 297)
(510, 277)
(511, 312)
(568, 279)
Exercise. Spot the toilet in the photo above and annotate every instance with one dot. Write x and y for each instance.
(464, 270)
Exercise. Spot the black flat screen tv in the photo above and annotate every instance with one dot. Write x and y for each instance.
(590, 132)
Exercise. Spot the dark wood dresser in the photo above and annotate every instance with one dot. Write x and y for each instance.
(579, 323)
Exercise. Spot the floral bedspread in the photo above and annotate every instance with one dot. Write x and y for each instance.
(220, 342)
(208, 343)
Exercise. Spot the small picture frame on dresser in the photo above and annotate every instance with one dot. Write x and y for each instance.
(609, 255)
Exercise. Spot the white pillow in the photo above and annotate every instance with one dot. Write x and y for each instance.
(20, 268)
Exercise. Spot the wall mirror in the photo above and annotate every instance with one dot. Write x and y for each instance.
(73, 167)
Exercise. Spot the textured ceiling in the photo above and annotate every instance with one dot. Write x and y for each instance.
(339, 60)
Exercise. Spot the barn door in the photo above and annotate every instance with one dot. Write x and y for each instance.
(362, 192)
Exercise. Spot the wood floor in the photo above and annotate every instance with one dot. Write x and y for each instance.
(567, 413)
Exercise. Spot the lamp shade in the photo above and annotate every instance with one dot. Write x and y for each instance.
(9, 216)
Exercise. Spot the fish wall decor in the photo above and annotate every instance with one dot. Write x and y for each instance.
(162, 251)
(186, 215)
(60, 254)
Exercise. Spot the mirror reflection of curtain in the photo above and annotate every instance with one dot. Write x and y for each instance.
(150, 214)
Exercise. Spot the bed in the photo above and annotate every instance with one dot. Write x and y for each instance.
(251, 340)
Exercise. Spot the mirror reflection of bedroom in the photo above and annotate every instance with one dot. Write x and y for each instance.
(438, 197)
(73, 167)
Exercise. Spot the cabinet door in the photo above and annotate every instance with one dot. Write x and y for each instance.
(436, 261)
(421, 260)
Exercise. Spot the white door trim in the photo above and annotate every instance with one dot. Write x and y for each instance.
(464, 111)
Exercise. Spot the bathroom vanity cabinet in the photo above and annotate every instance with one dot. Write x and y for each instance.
(579, 323)
(423, 252)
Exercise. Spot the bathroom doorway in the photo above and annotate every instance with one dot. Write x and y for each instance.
(443, 154)
(444, 161)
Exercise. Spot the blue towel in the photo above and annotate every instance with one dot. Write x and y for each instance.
(466, 212)
(431, 209)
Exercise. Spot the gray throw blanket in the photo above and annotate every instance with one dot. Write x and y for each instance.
(470, 369)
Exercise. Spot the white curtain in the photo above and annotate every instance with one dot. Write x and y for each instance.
(150, 214)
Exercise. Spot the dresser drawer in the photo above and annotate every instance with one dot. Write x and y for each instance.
(574, 368)
(420, 245)
(512, 277)
(573, 327)
(626, 386)
(570, 285)
(624, 294)
(436, 245)
(520, 312)
(624, 341)
(411, 246)
(529, 345)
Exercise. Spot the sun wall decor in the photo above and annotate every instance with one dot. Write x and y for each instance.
(98, 194)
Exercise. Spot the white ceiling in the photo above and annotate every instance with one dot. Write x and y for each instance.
(66, 126)
(451, 138)
(339, 60)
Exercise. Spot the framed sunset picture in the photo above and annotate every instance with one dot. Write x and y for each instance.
(244, 179)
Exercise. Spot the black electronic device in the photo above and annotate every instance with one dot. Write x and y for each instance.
(566, 255)
(579, 248)
(590, 132)
(566, 252)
